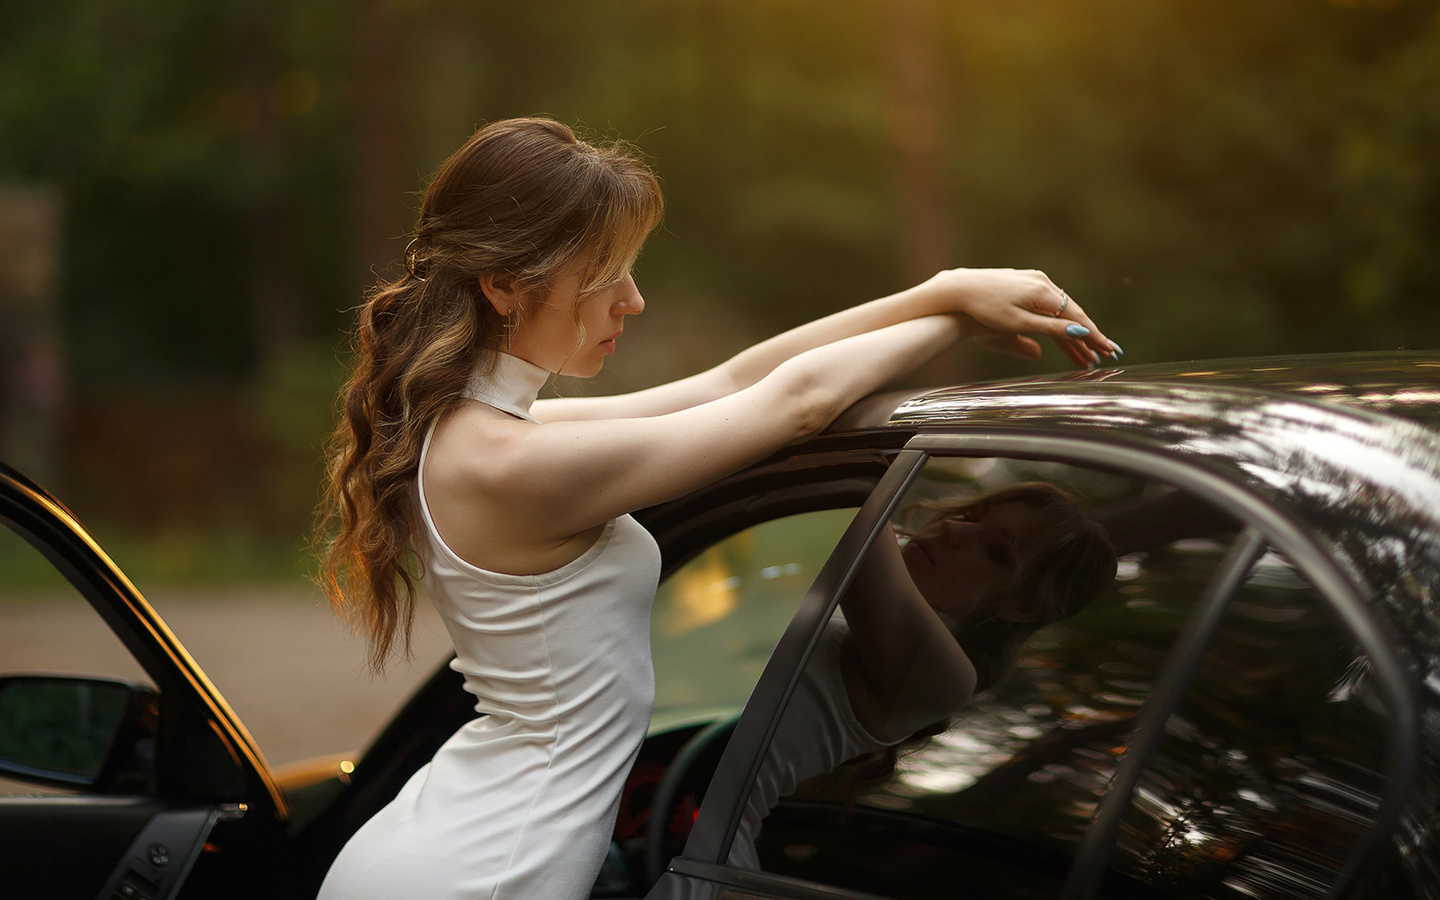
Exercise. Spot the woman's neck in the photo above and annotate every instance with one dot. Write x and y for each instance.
(507, 383)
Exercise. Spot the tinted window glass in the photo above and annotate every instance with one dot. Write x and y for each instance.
(718, 616)
(886, 776)
(1271, 769)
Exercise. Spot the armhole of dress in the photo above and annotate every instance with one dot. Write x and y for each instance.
(431, 531)
(436, 543)
(834, 662)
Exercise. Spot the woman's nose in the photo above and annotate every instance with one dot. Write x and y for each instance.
(631, 303)
(954, 532)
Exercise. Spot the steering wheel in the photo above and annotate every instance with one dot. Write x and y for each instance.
(679, 794)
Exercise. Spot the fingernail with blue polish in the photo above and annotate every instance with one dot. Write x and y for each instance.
(1118, 350)
(1074, 330)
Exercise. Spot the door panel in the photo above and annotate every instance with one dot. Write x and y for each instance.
(67, 847)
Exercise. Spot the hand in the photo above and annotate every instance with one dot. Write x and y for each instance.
(1000, 307)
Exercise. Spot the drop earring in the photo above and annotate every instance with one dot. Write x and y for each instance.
(509, 329)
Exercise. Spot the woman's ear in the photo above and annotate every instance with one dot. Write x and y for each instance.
(501, 291)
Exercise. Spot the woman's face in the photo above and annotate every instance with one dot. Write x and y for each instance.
(569, 334)
(955, 559)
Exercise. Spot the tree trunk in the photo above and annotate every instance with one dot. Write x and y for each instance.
(917, 113)
(383, 189)
(275, 294)
(916, 121)
(32, 372)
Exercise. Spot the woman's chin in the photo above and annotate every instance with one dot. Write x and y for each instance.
(585, 369)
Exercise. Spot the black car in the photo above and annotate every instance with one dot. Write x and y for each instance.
(1247, 709)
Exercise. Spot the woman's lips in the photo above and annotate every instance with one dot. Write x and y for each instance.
(608, 345)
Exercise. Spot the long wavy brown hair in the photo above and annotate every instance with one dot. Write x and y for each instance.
(1062, 564)
(523, 198)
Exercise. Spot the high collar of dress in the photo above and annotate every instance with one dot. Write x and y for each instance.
(511, 386)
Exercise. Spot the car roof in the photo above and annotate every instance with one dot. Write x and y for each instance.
(1348, 443)
(1404, 384)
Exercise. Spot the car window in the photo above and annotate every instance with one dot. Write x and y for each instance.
(878, 780)
(1272, 767)
(46, 627)
(717, 617)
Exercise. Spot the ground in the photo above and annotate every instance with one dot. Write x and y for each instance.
(291, 670)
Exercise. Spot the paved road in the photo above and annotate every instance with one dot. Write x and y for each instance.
(291, 670)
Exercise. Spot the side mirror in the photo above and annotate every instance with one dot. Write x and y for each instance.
(90, 734)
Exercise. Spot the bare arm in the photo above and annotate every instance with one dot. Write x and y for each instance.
(520, 490)
(1150, 522)
(904, 668)
(995, 306)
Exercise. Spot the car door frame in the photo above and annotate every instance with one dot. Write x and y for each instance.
(208, 767)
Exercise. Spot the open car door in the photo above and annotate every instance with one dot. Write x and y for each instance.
(123, 775)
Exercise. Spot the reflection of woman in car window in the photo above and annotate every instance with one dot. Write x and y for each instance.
(513, 512)
(932, 617)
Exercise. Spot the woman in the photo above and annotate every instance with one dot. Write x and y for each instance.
(514, 511)
(926, 624)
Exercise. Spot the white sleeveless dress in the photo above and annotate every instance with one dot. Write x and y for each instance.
(520, 803)
(818, 733)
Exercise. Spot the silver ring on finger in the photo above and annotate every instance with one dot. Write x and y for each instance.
(1064, 302)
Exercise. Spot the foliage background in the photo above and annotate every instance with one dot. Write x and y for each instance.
(1211, 179)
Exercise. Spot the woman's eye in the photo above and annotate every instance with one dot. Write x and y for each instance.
(952, 525)
(953, 531)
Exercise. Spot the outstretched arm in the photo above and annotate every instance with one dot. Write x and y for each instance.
(996, 307)
(904, 669)
(1150, 522)
(516, 496)
(599, 469)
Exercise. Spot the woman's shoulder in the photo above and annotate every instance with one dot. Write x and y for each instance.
(471, 473)
(472, 445)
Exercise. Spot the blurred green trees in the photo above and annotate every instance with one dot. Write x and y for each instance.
(1210, 179)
